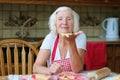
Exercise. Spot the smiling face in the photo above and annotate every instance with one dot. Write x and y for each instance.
(64, 22)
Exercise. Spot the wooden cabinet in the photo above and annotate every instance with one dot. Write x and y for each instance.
(103, 3)
(113, 56)
(110, 58)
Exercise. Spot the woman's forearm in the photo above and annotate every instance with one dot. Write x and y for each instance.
(41, 70)
(53, 69)
(75, 58)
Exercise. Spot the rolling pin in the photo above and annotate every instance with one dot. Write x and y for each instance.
(99, 74)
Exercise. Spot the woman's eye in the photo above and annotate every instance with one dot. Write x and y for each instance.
(59, 19)
(69, 18)
(64, 19)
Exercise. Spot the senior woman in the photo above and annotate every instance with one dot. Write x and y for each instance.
(64, 47)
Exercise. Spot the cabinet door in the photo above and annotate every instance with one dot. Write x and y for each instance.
(110, 56)
(117, 58)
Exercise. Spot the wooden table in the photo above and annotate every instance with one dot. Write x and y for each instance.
(85, 72)
(6, 77)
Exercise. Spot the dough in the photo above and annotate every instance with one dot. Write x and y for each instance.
(67, 77)
(66, 34)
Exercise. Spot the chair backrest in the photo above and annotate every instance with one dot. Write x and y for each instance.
(16, 57)
(38, 44)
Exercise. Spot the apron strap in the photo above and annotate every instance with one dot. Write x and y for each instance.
(54, 49)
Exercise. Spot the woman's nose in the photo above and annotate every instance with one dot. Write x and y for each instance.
(64, 21)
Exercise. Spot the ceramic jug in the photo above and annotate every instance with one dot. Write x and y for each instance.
(110, 25)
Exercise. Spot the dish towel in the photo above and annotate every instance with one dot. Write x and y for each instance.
(95, 56)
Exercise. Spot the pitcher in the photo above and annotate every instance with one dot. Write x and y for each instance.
(110, 25)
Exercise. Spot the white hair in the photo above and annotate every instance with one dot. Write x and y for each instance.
(52, 19)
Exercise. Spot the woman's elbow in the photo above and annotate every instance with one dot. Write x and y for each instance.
(77, 69)
(34, 68)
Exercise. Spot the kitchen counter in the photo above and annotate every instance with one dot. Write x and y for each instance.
(97, 39)
(89, 39)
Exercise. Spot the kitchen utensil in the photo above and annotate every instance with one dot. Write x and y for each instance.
(110, 25)
(99, 74)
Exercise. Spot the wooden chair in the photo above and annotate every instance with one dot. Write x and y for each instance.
(16, 57)
(38, 44)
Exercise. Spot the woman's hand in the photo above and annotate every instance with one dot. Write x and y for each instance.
(71, 36)
(55, 68)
